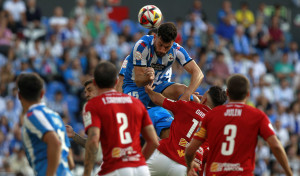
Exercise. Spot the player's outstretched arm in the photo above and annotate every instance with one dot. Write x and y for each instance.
(190, 155)
(151, 143)
(91, 148)
(279, 153)
(155, 97)
(53, 152)
(143, 75)
(196, 78)
(75, 136)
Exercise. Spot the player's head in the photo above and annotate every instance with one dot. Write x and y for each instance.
(214, 96)
(166, 35)
(238, 87)
(105, 75)
(90, 90)
(152, 31)
(30, 87)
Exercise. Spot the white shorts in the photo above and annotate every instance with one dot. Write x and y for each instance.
(160, 165)
(130, 171)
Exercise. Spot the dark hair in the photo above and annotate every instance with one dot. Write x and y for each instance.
(105, 75)
(30, 86)
(86, 83)
(153, 30)
(217, 95)
(167, 32)
(238, 87)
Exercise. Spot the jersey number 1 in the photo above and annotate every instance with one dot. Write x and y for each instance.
(124, 136)
(228, 150)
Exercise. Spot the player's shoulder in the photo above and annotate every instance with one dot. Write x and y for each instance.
(176, 46)
(146, 39)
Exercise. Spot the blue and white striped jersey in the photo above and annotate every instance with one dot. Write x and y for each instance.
(38, 121)
(143, 54)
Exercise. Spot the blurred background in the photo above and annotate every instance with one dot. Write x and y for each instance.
(64, 40)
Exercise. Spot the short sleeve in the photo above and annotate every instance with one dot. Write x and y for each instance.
(140, 53)
(265, 128)
(182, 56)
(124, 66)
(171, 105)
(38, 124)
(90, 116)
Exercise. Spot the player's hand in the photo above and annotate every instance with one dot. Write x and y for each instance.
(150, 73)
(149, 88)
(185, 96)
(70, 131)
(191, 171)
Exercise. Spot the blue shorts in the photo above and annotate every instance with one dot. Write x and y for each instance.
(139, 92)
(161, 118)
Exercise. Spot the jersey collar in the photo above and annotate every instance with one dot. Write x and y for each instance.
(36, 105)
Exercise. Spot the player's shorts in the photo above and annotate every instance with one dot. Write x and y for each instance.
(159, 164)
(139, 92)
(161, 118)
(130, 171)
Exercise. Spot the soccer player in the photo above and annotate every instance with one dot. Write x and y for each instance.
(44, 134)
(117, 119)
(232, 131)
(151, 60)
(168, 159)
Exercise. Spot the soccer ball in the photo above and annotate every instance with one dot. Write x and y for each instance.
(150, 16)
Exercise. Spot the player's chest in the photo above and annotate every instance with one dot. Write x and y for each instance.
(160, 63)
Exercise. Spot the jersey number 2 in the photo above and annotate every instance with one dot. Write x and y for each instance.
(228, 150)
(124, 136)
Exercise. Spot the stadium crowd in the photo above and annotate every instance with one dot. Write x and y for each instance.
(65, 49)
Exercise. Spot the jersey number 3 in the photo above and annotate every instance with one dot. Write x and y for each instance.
(228, 150)
(124, 136)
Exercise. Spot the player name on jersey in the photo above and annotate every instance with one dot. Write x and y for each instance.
(233, 112)
(116, 100)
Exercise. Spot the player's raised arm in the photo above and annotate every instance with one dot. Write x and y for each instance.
(196, 78)
(53, 152)
(279, 153)
(155, 97)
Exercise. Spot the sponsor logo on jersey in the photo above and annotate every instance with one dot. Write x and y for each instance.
(170, 57)
(138, 55)
(87, 119)
(158, 67)
(180, 153)
(218, 167)
(183, 142)
(124, 65)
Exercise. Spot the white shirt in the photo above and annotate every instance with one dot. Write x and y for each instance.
(15, 8)
(61, 21)
(259, 69)
(284, 96)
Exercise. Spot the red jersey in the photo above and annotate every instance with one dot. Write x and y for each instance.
(120, 118)
(188, 115)
(201, 157)
(232, 132)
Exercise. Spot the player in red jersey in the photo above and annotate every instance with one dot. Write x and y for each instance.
(232, 131)
(117, 120)
(168, 159)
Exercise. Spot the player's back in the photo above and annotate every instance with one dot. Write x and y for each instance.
(121, 118)
(38, 121)
(232, 132)
(188, 115)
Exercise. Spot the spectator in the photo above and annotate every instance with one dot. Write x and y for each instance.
(54, 46)
(210, 34)
(272, 55)
(95, 26)
(295, 119)
(74, 76)
(240, 41)
(103, 48)
(58, 104)
(70, 33)
(244, 16)
(6, 37)
(284, 69)
(10, 113)
(274, 30)
(58, 21)
(198, 10)
(262, 155)
(263, 90)
(219, 67)
(19, 163)
(99, 8)
(226, 20)
(33, 13)
(293, 53)
(259, 34)
(193, 27)
(281, 133)
(284, 93)
(258, 67)
(260, 13)
(16, 10)
(238, 65)
(80, 12)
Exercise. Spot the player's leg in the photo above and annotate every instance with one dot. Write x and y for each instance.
(158, 164)
(174, 91)
(142, 171)
(138, 93)
(177, 169)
